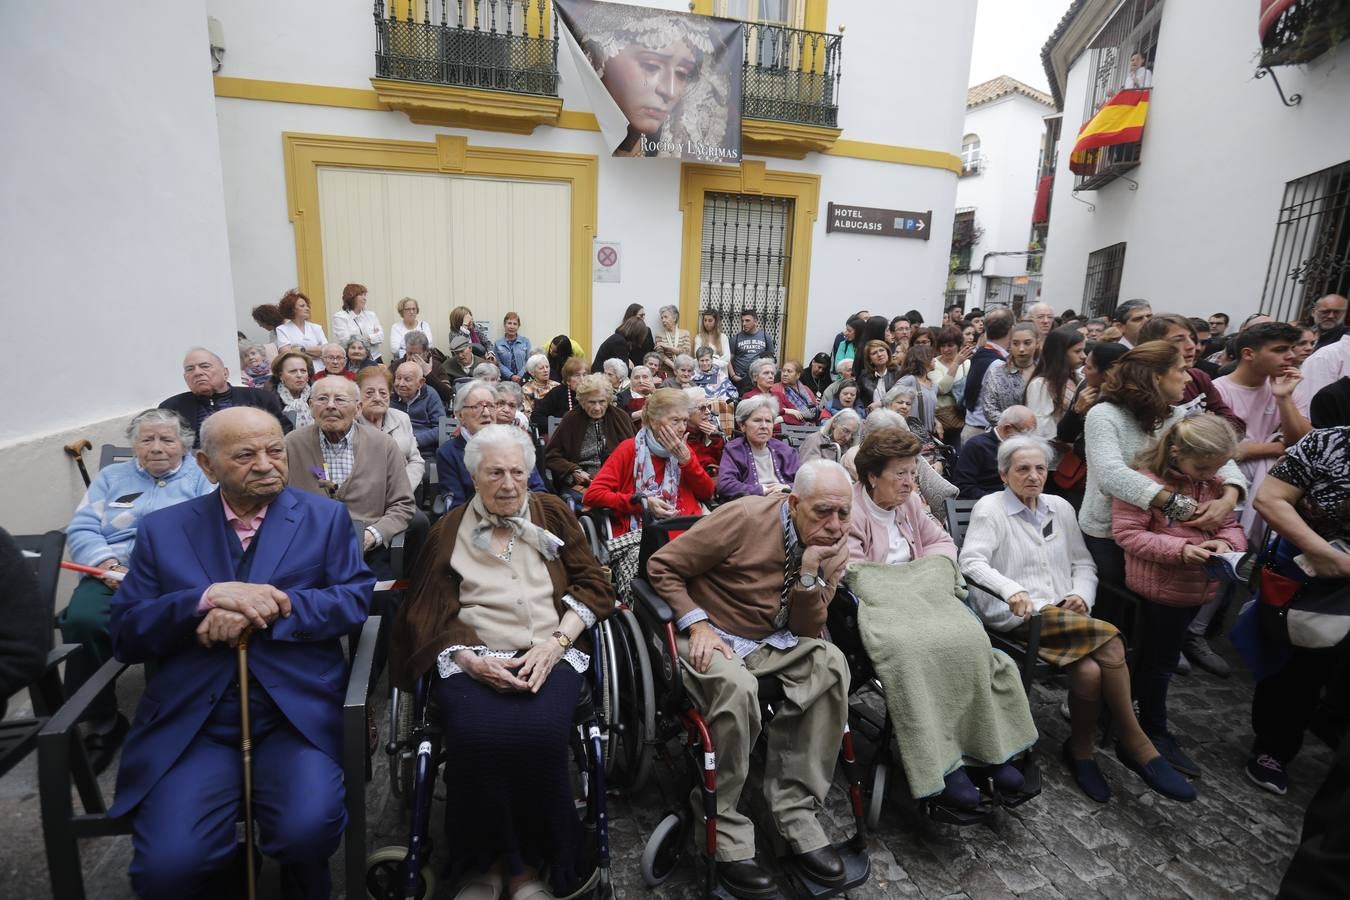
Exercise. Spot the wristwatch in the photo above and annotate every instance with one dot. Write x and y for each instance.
(808, 580)
(563, 640)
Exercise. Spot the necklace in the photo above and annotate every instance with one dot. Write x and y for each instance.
(505, 555)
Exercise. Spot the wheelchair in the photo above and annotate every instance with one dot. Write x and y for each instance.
(405, 872)
(842, 624)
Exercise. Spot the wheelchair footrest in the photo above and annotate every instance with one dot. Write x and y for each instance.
(1031, 786)
(953, 815)
(857, 869)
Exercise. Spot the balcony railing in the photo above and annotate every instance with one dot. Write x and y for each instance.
(791, 75)
(499, 45)
(1108, 165)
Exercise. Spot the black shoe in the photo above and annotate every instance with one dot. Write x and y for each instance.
(1171, 751)
(102, 748)
(746, 879)
(1267, 772)
(823, 865)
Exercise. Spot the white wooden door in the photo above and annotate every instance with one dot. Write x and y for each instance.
(490, 244)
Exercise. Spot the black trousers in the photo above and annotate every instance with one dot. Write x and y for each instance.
(1110, 560)
(1321, 865)
(1284, 703)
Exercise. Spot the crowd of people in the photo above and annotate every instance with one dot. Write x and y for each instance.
(1127, 471)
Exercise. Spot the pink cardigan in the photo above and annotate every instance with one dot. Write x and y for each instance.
(1153, 545)
(867, 541)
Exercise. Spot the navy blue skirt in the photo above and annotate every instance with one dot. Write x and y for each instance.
(508, 776)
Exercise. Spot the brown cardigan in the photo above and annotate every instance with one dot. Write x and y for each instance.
(730, 565)
(428, 619)
(564, 447)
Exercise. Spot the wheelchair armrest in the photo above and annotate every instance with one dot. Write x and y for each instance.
(358, 681)
(650, 607)
(74, 709)
(675, 523)
(60, 653)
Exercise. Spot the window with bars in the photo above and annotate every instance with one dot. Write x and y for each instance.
(1102, 288)
(743, 261)
(1310, 256)
(1120, 57)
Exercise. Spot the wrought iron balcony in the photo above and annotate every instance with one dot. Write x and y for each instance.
(1108, 165)
(791, 75)
(498, 45)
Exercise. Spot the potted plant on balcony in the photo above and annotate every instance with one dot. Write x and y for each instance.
(1300, 31)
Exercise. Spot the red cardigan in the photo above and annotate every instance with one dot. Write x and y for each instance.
(613, 486)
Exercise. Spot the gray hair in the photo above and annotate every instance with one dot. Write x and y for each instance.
(843, 417)
(462, 395)
(247, 347)
(616, 366)
(703, 351)
(534, 360)
(509, 387)
(497, 436)
(325, 347)
(647, 369)
(487, 372)
(672, 309)
(804, 482)
(882, 418)
(1122, 312)
(845, 362)
(161, 417)
(697, 395)
(357, 339)
(415, 337)
(758, 366)
(211, 353)
(1014, 414)
(683, 360)
(748, 407)
(896, 393)
(1012, 445)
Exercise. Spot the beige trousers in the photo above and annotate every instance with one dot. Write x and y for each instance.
(803, 741)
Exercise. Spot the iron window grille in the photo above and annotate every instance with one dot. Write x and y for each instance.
(500, 45)
(744, 260)
(1101, 290)
(1310, 256)
(1133, 29)
(965, 235)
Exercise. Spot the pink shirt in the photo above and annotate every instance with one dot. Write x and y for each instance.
(245, 531)
(1255, 406)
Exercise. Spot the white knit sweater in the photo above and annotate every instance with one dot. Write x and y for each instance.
(1112, 438)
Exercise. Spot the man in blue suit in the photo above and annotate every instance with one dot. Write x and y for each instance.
(253, 555)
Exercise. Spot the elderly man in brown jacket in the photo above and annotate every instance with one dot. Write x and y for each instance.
(361, 468)
(749, 586)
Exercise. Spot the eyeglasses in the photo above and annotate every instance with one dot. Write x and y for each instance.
(481, 407)
(332, 401)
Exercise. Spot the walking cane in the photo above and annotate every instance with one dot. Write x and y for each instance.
(75, 450)
(246, 747)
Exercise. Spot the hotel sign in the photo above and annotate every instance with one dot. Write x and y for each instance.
(884, 222)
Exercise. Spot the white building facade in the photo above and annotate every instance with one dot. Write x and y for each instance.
(1234, 201)
(1001, 152)
(412, 148)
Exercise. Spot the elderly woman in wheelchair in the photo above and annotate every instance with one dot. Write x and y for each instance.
(497, 619)
(1025, 556)
(958, 711)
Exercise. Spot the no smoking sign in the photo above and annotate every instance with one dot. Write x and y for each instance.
(606, 261)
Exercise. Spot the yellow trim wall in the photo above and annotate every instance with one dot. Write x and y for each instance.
(359, 98)
(303, 154)
(751, 177)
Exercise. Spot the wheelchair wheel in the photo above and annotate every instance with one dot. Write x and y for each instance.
(401, 752)
(636, 722)
(610, 678)
(880, 772)
(663, 850)
(384, 875)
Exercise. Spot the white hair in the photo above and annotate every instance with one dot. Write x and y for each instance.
(615, 365)
(161, 417)
(673, 310)
(497, 436)
(1014, 414)
(804, 482)
(748, 407)
(696, 395)
(883, 418)
(509, 387)
(647, 369)
(843, 417)
(683, 359)
(534, 360)
(758, 366)
(896, 393)
(487, 372)
(462, 395)
(211, 353)
(1006, 450)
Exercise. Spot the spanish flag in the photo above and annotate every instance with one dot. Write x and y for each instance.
(1119, 121)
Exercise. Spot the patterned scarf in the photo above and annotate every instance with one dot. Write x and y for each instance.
(541, 539)
(645, 446)
(298, 405)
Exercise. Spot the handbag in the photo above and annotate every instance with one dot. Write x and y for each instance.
(952, 419)
(623, 552)
(1312, 614)
(1070, 471)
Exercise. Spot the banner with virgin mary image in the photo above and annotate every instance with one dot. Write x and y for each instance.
(661, 83)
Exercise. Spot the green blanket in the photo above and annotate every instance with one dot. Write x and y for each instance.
(953, 699)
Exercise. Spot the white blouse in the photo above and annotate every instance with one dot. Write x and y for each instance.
(398, 331)
(365, 325)
(898, 549)
(290, 334)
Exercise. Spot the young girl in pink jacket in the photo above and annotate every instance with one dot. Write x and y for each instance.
(1165, 559)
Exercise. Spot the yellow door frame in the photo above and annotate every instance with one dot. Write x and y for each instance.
(447, 155)
(752, 178)
(813, 15)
